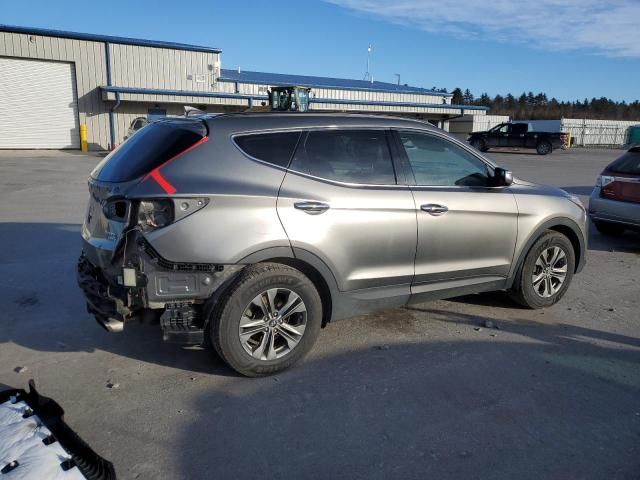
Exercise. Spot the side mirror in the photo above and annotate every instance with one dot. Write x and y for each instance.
(502, 177)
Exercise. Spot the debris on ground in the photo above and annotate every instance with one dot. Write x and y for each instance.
(491, 324)
(382, 347)
(112, 385)
(20, 369)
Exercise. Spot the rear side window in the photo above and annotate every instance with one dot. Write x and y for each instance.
(274, 148)
(149, 148)
(519, 128)
(439, 162)
(628, 163)
(349, 156)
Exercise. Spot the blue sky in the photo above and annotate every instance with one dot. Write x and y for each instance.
(570, 49)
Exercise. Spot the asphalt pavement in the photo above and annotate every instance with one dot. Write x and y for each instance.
(473, 387)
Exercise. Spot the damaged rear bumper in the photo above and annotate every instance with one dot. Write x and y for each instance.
(135, 281)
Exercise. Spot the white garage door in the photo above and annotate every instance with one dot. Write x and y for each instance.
(38, 104)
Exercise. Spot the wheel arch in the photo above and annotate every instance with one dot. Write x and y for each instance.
(566, 227)
(307, 263)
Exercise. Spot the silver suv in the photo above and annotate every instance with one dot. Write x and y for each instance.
(253, 231)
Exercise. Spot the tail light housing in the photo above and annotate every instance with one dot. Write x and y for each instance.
(159, 212)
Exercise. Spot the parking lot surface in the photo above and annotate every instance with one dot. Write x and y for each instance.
(473, 387)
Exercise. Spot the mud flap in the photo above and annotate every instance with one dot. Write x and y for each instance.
(36, 443)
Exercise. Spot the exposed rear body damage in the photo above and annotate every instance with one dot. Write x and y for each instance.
(258, 228)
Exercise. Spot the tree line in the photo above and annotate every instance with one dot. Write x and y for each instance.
(539, 107)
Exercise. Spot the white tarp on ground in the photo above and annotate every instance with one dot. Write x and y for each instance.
(21, 441)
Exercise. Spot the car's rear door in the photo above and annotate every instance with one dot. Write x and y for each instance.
(466, 229)
(340, 201)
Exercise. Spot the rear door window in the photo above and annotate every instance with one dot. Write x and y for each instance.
(348, 156)
(149, 148)
(274, 148)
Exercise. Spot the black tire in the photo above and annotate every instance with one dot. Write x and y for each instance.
(226, 316)
(479, 144)
(523, 290)
(544, 147)
(609, 229)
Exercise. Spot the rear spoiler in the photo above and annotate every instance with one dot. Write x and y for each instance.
(32, 427)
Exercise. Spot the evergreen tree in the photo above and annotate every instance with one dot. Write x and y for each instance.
(457, 98)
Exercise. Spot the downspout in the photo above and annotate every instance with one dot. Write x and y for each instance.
(112, 121)
(457, 116)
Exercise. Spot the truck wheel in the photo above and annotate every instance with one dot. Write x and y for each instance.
(267, 320)
(545, 274)
(479, 144)
(609, 229)
(544, 147)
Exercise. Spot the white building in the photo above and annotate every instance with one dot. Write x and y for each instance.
(51, 82)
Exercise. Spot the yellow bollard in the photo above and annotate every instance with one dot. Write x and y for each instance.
(83, 138)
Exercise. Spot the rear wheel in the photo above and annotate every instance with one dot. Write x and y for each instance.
(267, 320)
(609, 229)
(544, 147)
(546, 272)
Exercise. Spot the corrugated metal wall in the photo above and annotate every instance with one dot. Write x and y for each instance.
(90, 68)
(597, 133)
(131, 66)
(163, 68)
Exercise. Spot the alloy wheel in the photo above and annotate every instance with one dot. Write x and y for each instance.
(550, 271)
(273, 324)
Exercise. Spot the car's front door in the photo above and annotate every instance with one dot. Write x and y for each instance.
(498, 135)
(340, 202)
(467, 229)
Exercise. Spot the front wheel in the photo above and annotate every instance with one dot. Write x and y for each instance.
(267, 320)
(547, 271)
(544, 147)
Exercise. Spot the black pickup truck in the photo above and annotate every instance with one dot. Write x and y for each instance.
(516, 135)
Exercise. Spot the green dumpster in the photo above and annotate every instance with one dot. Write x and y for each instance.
(634, 135)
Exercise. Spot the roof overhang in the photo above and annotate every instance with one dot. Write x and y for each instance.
(109, 93)
(107, 39)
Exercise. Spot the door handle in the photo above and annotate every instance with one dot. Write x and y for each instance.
(312, 208)
(434, 209)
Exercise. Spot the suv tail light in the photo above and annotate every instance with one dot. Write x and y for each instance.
(160, 212)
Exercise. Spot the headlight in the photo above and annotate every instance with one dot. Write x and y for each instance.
(158, 213)
(604, 180)
(575, 199)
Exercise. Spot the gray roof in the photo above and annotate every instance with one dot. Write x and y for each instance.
(107, 38)
(264, 78)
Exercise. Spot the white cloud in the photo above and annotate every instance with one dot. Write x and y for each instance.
(609, 27)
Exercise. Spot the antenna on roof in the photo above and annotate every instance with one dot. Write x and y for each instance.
(397, 75)
(239, 70)
(367, 76)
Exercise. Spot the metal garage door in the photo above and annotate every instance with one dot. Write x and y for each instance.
(38, 104)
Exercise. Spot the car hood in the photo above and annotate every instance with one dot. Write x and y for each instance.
(524, 185)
